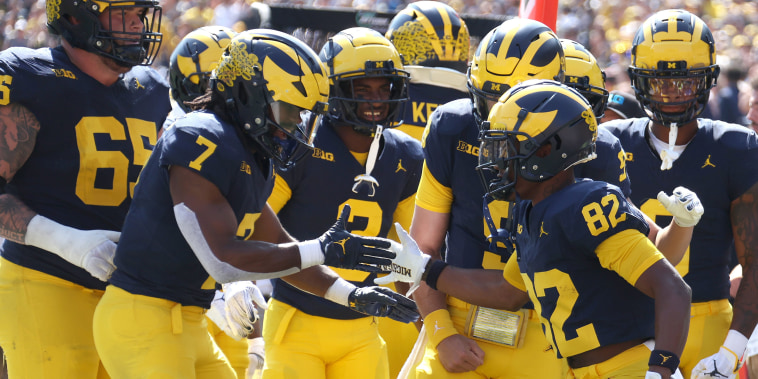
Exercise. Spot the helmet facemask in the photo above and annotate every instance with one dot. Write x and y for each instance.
(345, 101)
(78, 22)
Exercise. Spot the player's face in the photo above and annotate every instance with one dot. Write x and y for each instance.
(372, 89)
(286, 115)
(126, 20)
(670, 90)
(752, 113)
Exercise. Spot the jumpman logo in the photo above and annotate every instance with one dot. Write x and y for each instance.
(665, 357)
(400, 166)
(341, 243)
(708, 162)
(715, 373)
(542, 230)
(436, 327)
(137, 84)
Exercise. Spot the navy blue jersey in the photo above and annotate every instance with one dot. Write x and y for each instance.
(582, 305)
(321, 183)
(609, 166)
(429, 87)
(92, 143)
(153, 258)
(451, 152)
(718, 165)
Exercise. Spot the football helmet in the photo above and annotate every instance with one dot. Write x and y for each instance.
(673, 52)
(530, 115)
(585, 75)
(78, 22)
(430, 33)
(269, 81)
(193, 60)
(357, 53)
(517, 50)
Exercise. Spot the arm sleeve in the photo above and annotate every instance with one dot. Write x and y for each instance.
(432, 195)
(512, 273)
(280, 195)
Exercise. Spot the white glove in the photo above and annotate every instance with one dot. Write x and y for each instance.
(256, 351)
(92, 250)
(726, 362)
(239, 305)
(684, 205)
(217, 313)
(409, 263)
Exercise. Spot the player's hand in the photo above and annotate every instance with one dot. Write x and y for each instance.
(383, 302)
(92, 250)
(726, 362)
(409, 264)
(459, 353)
(346, 250)
(684, 205)
(256, 352)
(241, 313)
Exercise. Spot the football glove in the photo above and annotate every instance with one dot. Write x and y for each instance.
(256, 352)
(684, 205)
(239, 306)
(343, 249)
(92, 250)
(726, 362)
(409, 263)
(383, 302)
(217, 314)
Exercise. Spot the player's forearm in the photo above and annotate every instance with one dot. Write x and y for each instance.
(744, 213)
(672, 318)
(673, 241)
(745, 306)
(486, 288)
(14, 218)
(429, 300)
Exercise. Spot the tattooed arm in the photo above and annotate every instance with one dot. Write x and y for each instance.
(19, 128)
(744, 215)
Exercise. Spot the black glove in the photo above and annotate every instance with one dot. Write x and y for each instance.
(383, 302)
(343, 249)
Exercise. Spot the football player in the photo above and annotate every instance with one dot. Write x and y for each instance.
(600, 287)
(359, 161)
(199, 216)
(434, 42)
(585, 75)
(79, 122)
(673, 68)
(449, 214)
(190, 67)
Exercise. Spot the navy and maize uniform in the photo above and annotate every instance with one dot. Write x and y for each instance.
(567, 274)
(716, 166)
(450, 184)
(429, 88)
(155, 305)
(307, 198)
(610, 164)
(89, 150)
(579, 253)
(92, 143)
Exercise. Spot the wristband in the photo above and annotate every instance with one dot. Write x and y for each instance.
(439, 326)
(339, 292)
(432, 273)
(310, 254)
(665, 359)
(736, 343)
(256, 346)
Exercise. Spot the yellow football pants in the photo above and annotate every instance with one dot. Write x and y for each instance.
(709, 324)
(534, 359)
(299, 345)
(146, 337)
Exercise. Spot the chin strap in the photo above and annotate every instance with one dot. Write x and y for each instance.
(366, 178)
(668, 156)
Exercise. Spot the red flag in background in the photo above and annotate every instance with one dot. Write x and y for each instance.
(544, 11)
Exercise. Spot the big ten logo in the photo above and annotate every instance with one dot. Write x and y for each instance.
(421, 111)
(468, 148)
(321, 154)
(59, 72)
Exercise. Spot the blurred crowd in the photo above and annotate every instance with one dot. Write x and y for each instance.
(605, 26)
